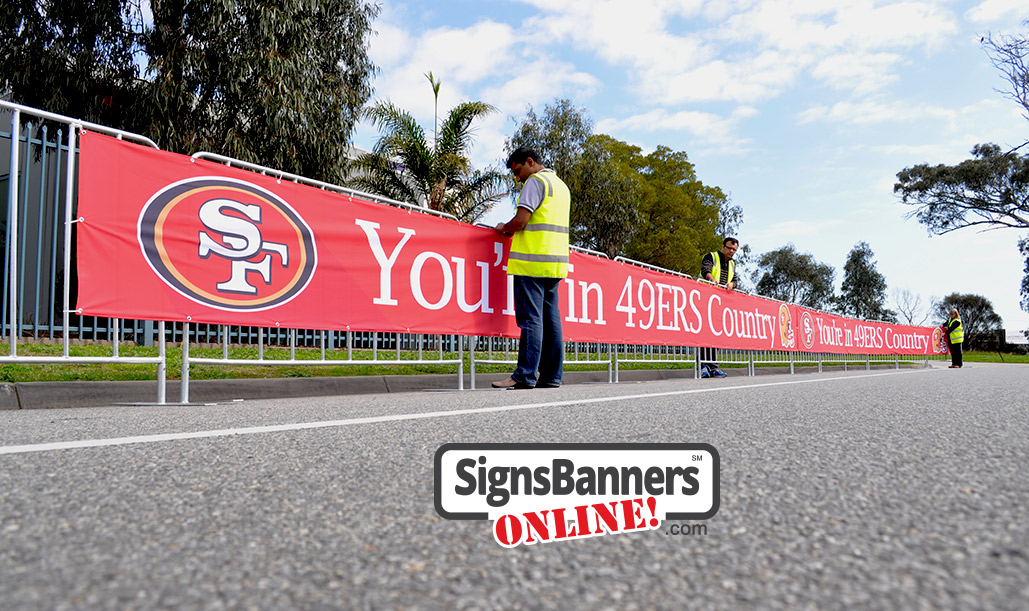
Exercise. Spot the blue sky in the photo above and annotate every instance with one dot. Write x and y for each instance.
(802, 110)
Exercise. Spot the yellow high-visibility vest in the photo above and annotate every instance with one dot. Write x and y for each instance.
(716, 269)
(958, 334)
(541, 248)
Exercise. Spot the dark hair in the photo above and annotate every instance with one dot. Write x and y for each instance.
(733, 240)
(520, 154)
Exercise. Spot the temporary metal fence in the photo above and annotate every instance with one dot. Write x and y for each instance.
(36, 199)
(39, 286)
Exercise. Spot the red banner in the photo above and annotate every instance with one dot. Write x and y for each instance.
(167, 237)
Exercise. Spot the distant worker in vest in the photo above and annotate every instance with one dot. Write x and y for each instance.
(955, 337)
(718, 267)
(538, 261)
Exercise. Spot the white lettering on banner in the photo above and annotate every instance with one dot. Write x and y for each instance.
(416, 280)
(829, 335)
(570, 283)
(663, 305)
(483, 303)
(658, 302)
(385, 263)
(867, 337)
(625, 303)
(587, 288)
(906, 341)
(649, 306)
(498, 250)
(741, 323)
(510, 309)
(710, 317)
(694, 298)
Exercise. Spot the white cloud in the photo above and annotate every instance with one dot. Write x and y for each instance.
(745, 50)
(390, 45)
(707, 127)
(870, 111)
(793, 230)
(991, 11)
(861, 73)
(448, 51)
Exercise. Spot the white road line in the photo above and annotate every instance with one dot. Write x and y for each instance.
(300, 426)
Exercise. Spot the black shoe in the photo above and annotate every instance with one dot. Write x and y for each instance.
(548, 385)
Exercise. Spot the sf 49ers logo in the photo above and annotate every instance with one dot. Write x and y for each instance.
(807, 329)
(227, 243)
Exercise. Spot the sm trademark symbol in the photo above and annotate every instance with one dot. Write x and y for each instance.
(698, 457)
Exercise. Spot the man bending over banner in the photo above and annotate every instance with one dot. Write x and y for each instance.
(538, 262)
(717, 267)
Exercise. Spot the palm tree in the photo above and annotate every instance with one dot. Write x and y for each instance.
(403, 166)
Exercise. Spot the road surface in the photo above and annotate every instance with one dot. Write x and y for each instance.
(886, 489)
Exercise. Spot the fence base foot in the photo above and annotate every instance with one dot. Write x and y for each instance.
(176, 403)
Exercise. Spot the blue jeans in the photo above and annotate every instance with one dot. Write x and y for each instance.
(538, 314)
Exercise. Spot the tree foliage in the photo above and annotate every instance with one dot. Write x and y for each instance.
(991, 189)
(651, 208)
(978, 319)
(791, 276)
(1023, 246)
(559, 136)
(279, 83)
(72, 57)
(407, 167)
(604, 191)
(682, 219)
(863, 292)
(1010, 55)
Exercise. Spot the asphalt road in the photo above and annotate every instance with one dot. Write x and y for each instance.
(900, 490)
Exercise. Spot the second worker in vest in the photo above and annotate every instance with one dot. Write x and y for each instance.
(538, 261)
(717, 267)
(955, 337)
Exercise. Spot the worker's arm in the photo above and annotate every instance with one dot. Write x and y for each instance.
(516, 224)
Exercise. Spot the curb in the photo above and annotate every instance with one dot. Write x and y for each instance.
(54, 395)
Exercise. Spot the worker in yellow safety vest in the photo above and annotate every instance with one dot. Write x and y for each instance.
(538, 260)
(717, 267)
(955, 337)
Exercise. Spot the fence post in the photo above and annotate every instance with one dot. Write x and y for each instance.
(471, 360)
(460, 363)
(610, 364)
(162, 366)
(68, 197)
(184, 382)
(12, 230)
(615, 348)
